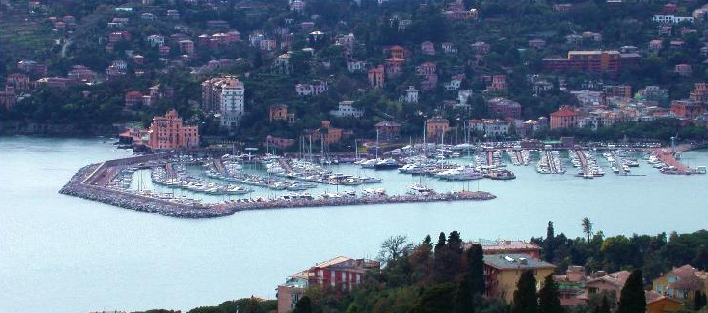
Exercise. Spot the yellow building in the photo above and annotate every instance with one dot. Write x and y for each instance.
(502, 272)
(680, 283)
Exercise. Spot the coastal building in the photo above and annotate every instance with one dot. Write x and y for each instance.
(505, 108)
(8, 98)
(168, 132)
(376, 77)
(671, 19)
(224, 95)
(186, 46)
(495, 247)
(411, 95)
(279, 112)
(594, 61)
(279, 143)
(611, 284)
(565, 117)
(388, 130)
(133, 98)
(19, 81)
(341, 273)
(435, 127)
(427, 47)
(315, 88)
(502, 272)
(683, 69)
(687, 109)
(681, 283)
(657, 303)
(572, 286)
(347, 109)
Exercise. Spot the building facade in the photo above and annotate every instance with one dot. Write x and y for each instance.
(168, 132)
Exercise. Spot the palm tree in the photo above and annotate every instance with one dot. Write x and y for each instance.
(587, 228)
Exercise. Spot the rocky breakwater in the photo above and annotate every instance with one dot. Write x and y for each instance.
(306, 203)
(75, 187)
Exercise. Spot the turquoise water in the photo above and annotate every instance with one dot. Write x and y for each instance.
(64, 254)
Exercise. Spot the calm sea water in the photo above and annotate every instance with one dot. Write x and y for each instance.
(64, 254)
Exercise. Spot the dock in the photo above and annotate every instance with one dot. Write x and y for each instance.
(669, 159)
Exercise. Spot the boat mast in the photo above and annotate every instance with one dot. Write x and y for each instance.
(377, 144)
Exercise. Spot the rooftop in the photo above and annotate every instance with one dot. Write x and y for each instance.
(515, 261)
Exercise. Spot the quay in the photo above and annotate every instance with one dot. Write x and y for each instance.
(91, 183)
(669, 158)
(583, 163)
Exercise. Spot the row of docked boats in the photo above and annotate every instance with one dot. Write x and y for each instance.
(177, 178)
(591, 169)
(550, 163)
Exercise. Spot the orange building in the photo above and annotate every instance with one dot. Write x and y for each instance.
(398, 52)
(436, 126)
(330, 134)
(564, 117)
(279, 112)
(688, 109)
(168, 132)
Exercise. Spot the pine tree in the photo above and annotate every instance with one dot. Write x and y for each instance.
(632, 298)
(700, 261)
(476, 262)
(427, 240)
(303, 306)
(463, 296)
(549, 297)
(525, 299)
(454, 243)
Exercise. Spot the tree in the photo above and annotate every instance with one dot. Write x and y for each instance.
(303, 306)
(463, 296)
(632, 298)
(701, 259)
(587, 228)
(697, 300)
(549, 297)
(604, 305)
(475, 258)
(436, 299)
(393, 248)
(525, 299)
(549, 243)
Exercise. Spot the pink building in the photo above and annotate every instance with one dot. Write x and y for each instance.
(683, 69)
(186, 47)
(376, 77)
(428, 48)
(168, 132)
(133, 98)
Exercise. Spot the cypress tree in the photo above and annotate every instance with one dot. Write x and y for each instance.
(549, 297)
(304, 305)
(427, 240)
(463, 296)
(476, 259)
(549, 243)
(697, 300)
(605, 305)
(632, 298)
(454, 243)
(525, 299)
(441, 242)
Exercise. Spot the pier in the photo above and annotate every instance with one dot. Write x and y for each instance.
(669, 158)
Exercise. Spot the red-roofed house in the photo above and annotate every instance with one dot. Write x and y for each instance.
(342, 272)
(564, 117)
(133, 98)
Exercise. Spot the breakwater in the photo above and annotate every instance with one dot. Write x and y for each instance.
(89, 183)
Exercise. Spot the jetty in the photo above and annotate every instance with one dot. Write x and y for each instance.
(92, 182)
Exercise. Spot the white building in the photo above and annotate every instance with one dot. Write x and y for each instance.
(671, 19)
(156, 40)
(231, 103)
(411, 95)
(490, 127)
(464, 96)
(356, 66)
(317, 88)
(346, 109)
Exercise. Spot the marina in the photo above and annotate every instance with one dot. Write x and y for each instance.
(79, 238)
